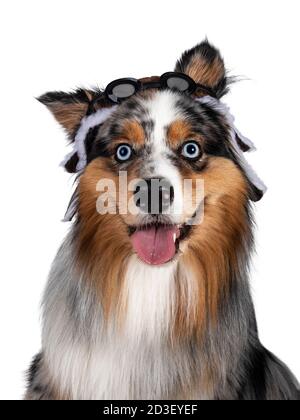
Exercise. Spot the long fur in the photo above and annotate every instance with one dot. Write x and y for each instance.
(117, 328)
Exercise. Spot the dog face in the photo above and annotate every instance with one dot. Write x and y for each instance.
(160, 140)
(156, 141)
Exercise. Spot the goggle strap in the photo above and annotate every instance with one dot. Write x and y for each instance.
(234, 134)
(87, 122)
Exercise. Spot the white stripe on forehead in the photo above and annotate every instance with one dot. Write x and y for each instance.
(162, 110)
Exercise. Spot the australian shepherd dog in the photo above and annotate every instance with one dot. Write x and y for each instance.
(155, 304)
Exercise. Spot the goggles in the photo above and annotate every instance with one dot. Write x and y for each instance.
(122, 89)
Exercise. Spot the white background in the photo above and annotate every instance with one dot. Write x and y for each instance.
(48, 45)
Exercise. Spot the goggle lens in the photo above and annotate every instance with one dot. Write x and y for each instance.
(178, 83)
(124, 90)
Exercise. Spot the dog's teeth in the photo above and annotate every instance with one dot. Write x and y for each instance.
(174, 237)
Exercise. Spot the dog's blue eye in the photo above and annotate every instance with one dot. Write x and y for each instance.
(191, 150)
(123, 153)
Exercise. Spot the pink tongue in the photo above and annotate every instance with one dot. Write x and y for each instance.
(155, 245)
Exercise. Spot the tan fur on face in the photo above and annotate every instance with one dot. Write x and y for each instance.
(214, 245)
(133, 132)
(179, 131)
(103, 242)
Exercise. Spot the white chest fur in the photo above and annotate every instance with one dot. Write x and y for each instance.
(132, 362)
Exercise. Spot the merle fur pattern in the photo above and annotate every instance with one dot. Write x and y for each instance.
(249, 371)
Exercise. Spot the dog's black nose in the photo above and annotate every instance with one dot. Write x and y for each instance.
(154, 195)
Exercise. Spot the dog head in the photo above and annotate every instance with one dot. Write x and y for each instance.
(163, 173)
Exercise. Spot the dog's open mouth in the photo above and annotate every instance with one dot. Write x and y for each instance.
(157, 243)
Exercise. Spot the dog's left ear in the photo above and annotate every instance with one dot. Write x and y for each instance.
(205, 66)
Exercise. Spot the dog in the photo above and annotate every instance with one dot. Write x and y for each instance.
(155, 303)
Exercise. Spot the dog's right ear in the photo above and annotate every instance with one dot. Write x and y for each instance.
(68, 108)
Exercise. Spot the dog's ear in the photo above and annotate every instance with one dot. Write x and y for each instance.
(205, 66)
(68, 108)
